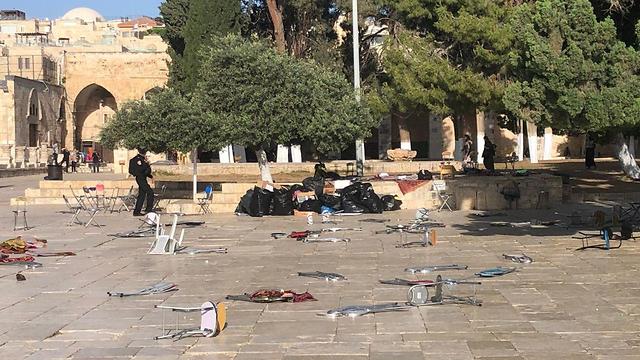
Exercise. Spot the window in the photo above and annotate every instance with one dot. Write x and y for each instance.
(33, 110)
(24, 63)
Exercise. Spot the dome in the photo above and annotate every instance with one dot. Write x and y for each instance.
(84, 14)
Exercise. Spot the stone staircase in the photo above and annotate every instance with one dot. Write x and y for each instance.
(176, 199)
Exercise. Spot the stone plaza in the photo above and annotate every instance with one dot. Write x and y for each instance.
(567, 304)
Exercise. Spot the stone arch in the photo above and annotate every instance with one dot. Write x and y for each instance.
(33, 119)
(154, 90)
(92, 108)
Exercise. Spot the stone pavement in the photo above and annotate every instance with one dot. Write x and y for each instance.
(565, 305)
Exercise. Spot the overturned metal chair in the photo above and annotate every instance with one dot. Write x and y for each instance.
(418, 295)
(213, 319)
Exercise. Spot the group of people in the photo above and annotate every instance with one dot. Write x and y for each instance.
(488, 153)
(74, 157)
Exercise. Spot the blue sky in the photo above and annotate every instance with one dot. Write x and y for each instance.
(110, 9)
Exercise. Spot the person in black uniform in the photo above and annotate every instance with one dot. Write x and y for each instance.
(488, 154)
(139, 167)
(65, 159)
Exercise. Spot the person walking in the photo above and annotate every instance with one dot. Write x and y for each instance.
(73, 157)
(488, 154)
(140, 169)
(590, 153)
(96, 162)
(65, 159)
(467, 149)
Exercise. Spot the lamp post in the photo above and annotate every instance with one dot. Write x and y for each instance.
(356, 82)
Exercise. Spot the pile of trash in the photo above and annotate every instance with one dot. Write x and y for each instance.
(358, 197)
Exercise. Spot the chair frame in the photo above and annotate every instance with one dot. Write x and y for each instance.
(205, 200)
(440, 187)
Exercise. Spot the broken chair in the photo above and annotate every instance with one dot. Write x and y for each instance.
(213, 319)
(418, 295)
(158, 288)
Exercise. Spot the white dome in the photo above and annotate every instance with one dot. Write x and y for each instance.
(84, 14)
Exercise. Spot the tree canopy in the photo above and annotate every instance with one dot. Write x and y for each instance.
(257, 97)
(570, 71)
(165, 121)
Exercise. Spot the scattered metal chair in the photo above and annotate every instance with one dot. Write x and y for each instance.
(205, 200)
(75, 209)
(440, 187)
(20, 211)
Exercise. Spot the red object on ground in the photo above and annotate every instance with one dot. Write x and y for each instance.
(407, 186)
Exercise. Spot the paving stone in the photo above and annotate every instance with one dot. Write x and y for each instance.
(565, 305)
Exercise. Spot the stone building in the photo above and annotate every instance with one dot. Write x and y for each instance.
(62, 79)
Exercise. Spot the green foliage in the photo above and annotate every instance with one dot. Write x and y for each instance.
(174, 15)
(570, 71)
(253, 96)
(449, 59)
(205, 19)
(164, 122)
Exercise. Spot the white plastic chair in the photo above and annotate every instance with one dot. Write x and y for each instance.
(166, 244)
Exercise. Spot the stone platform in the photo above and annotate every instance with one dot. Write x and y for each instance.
(574, 305)
(470, 193)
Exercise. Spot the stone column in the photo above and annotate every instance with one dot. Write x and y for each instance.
(384, 137)
(20, 156)
(480, 124)
(532, 135)
(240, 152)
(296, 154)
(283, 154)
(547, 144)
(520, 149)
(226, 155)
(6, 160)
(435, 136)
(403, 131)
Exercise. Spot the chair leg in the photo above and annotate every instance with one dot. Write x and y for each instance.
(92, 218)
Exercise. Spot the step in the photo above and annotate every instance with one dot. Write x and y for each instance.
(78, 184)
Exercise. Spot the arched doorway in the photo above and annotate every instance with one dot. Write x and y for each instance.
(153, 91)
(94, 106)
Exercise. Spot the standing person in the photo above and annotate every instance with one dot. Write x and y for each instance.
(467, 148)
(89, 160)
(590, 153)
(488, 154)
(73, 157)
(54, 155)
(96, 162)
(65, 159)
(139, 168)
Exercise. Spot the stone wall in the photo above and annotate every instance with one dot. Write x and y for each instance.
(15, 100)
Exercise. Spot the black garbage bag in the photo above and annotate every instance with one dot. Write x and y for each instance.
(425, 175)
(245, 203)
(331, 201)
(352, 191)
(296, 187)
(282, 202)
(371, 201)
(311, 205)
(315, 184)
(350, 206)
(260, 202)
(390, 203)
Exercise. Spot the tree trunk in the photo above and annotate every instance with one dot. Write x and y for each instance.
(627, 161)
(275, 12)
(265, 172)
